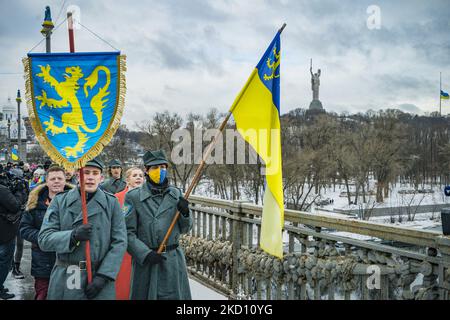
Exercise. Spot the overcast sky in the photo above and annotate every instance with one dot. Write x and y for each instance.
(191, 55)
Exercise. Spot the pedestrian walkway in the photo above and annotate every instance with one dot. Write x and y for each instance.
(24, 288)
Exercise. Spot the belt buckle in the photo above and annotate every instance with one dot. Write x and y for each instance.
(82, 265)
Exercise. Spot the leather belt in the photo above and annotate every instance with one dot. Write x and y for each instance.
(167, 248)
(81, 264)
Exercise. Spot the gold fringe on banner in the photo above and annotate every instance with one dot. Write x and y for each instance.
(41, 136)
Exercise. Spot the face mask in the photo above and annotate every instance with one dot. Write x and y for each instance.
(157, 175)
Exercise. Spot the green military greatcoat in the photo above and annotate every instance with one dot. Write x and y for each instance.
(148, 213)
(113, 185)
(108, 242)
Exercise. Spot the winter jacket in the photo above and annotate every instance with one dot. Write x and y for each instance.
(108, 242)
(41, 262)
(113, 185)
(149, 212)
(10, 213)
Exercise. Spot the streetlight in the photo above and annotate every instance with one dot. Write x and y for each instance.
(19, 139)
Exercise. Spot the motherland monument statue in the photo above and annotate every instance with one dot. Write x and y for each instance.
(315, 83)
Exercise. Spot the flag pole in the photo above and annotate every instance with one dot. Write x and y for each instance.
(82, 189)
(70, 29)
(440, 90)
(205, 156)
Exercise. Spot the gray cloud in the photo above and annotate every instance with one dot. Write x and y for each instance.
(189, 56)
(410, 108)
(171, 54)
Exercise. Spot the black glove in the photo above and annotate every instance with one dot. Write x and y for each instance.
(154, 258)
(21, 185)
(183, 207)
(94, 288)
(82, 233)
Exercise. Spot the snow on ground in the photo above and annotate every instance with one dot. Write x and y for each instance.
(200, 292)
(395, 198)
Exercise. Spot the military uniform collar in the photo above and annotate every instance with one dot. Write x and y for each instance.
(146, 192)
(74, 195)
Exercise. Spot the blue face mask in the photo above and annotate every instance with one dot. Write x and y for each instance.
(157, 175)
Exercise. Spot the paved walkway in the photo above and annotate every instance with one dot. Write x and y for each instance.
(24, 288)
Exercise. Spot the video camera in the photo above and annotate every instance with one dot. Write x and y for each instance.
(13, 179)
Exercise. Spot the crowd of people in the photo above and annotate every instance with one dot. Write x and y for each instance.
(128, 215)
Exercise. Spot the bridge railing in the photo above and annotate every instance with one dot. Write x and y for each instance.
(365, 260)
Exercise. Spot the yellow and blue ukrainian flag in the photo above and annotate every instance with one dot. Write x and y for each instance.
(444, 95)
(14, 154)
(256, 111)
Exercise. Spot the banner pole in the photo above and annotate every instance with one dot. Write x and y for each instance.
(82, 189)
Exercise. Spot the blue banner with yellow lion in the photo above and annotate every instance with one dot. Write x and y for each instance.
(75, 102)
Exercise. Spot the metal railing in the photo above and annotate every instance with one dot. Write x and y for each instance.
(222, 252)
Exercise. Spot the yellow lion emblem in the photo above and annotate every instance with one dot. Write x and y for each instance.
(67, 90)
(273, 65)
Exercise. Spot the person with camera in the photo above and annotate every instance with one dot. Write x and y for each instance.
(15, 178)
(12, 198)
(38, 201)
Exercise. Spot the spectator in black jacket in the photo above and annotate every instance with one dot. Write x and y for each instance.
(16, 174)
(38, 202)
(10, 213)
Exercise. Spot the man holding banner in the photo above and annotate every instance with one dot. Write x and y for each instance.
(75, 102)
(63, 231)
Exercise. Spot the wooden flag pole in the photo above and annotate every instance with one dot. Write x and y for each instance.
(206, 155)
(71, 36)
(440, 90)
(195, 180)
(82, 189)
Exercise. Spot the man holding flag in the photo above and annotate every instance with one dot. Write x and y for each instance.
(256, 109)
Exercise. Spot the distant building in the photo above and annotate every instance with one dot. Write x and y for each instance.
(9, 114)
(9, 129)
